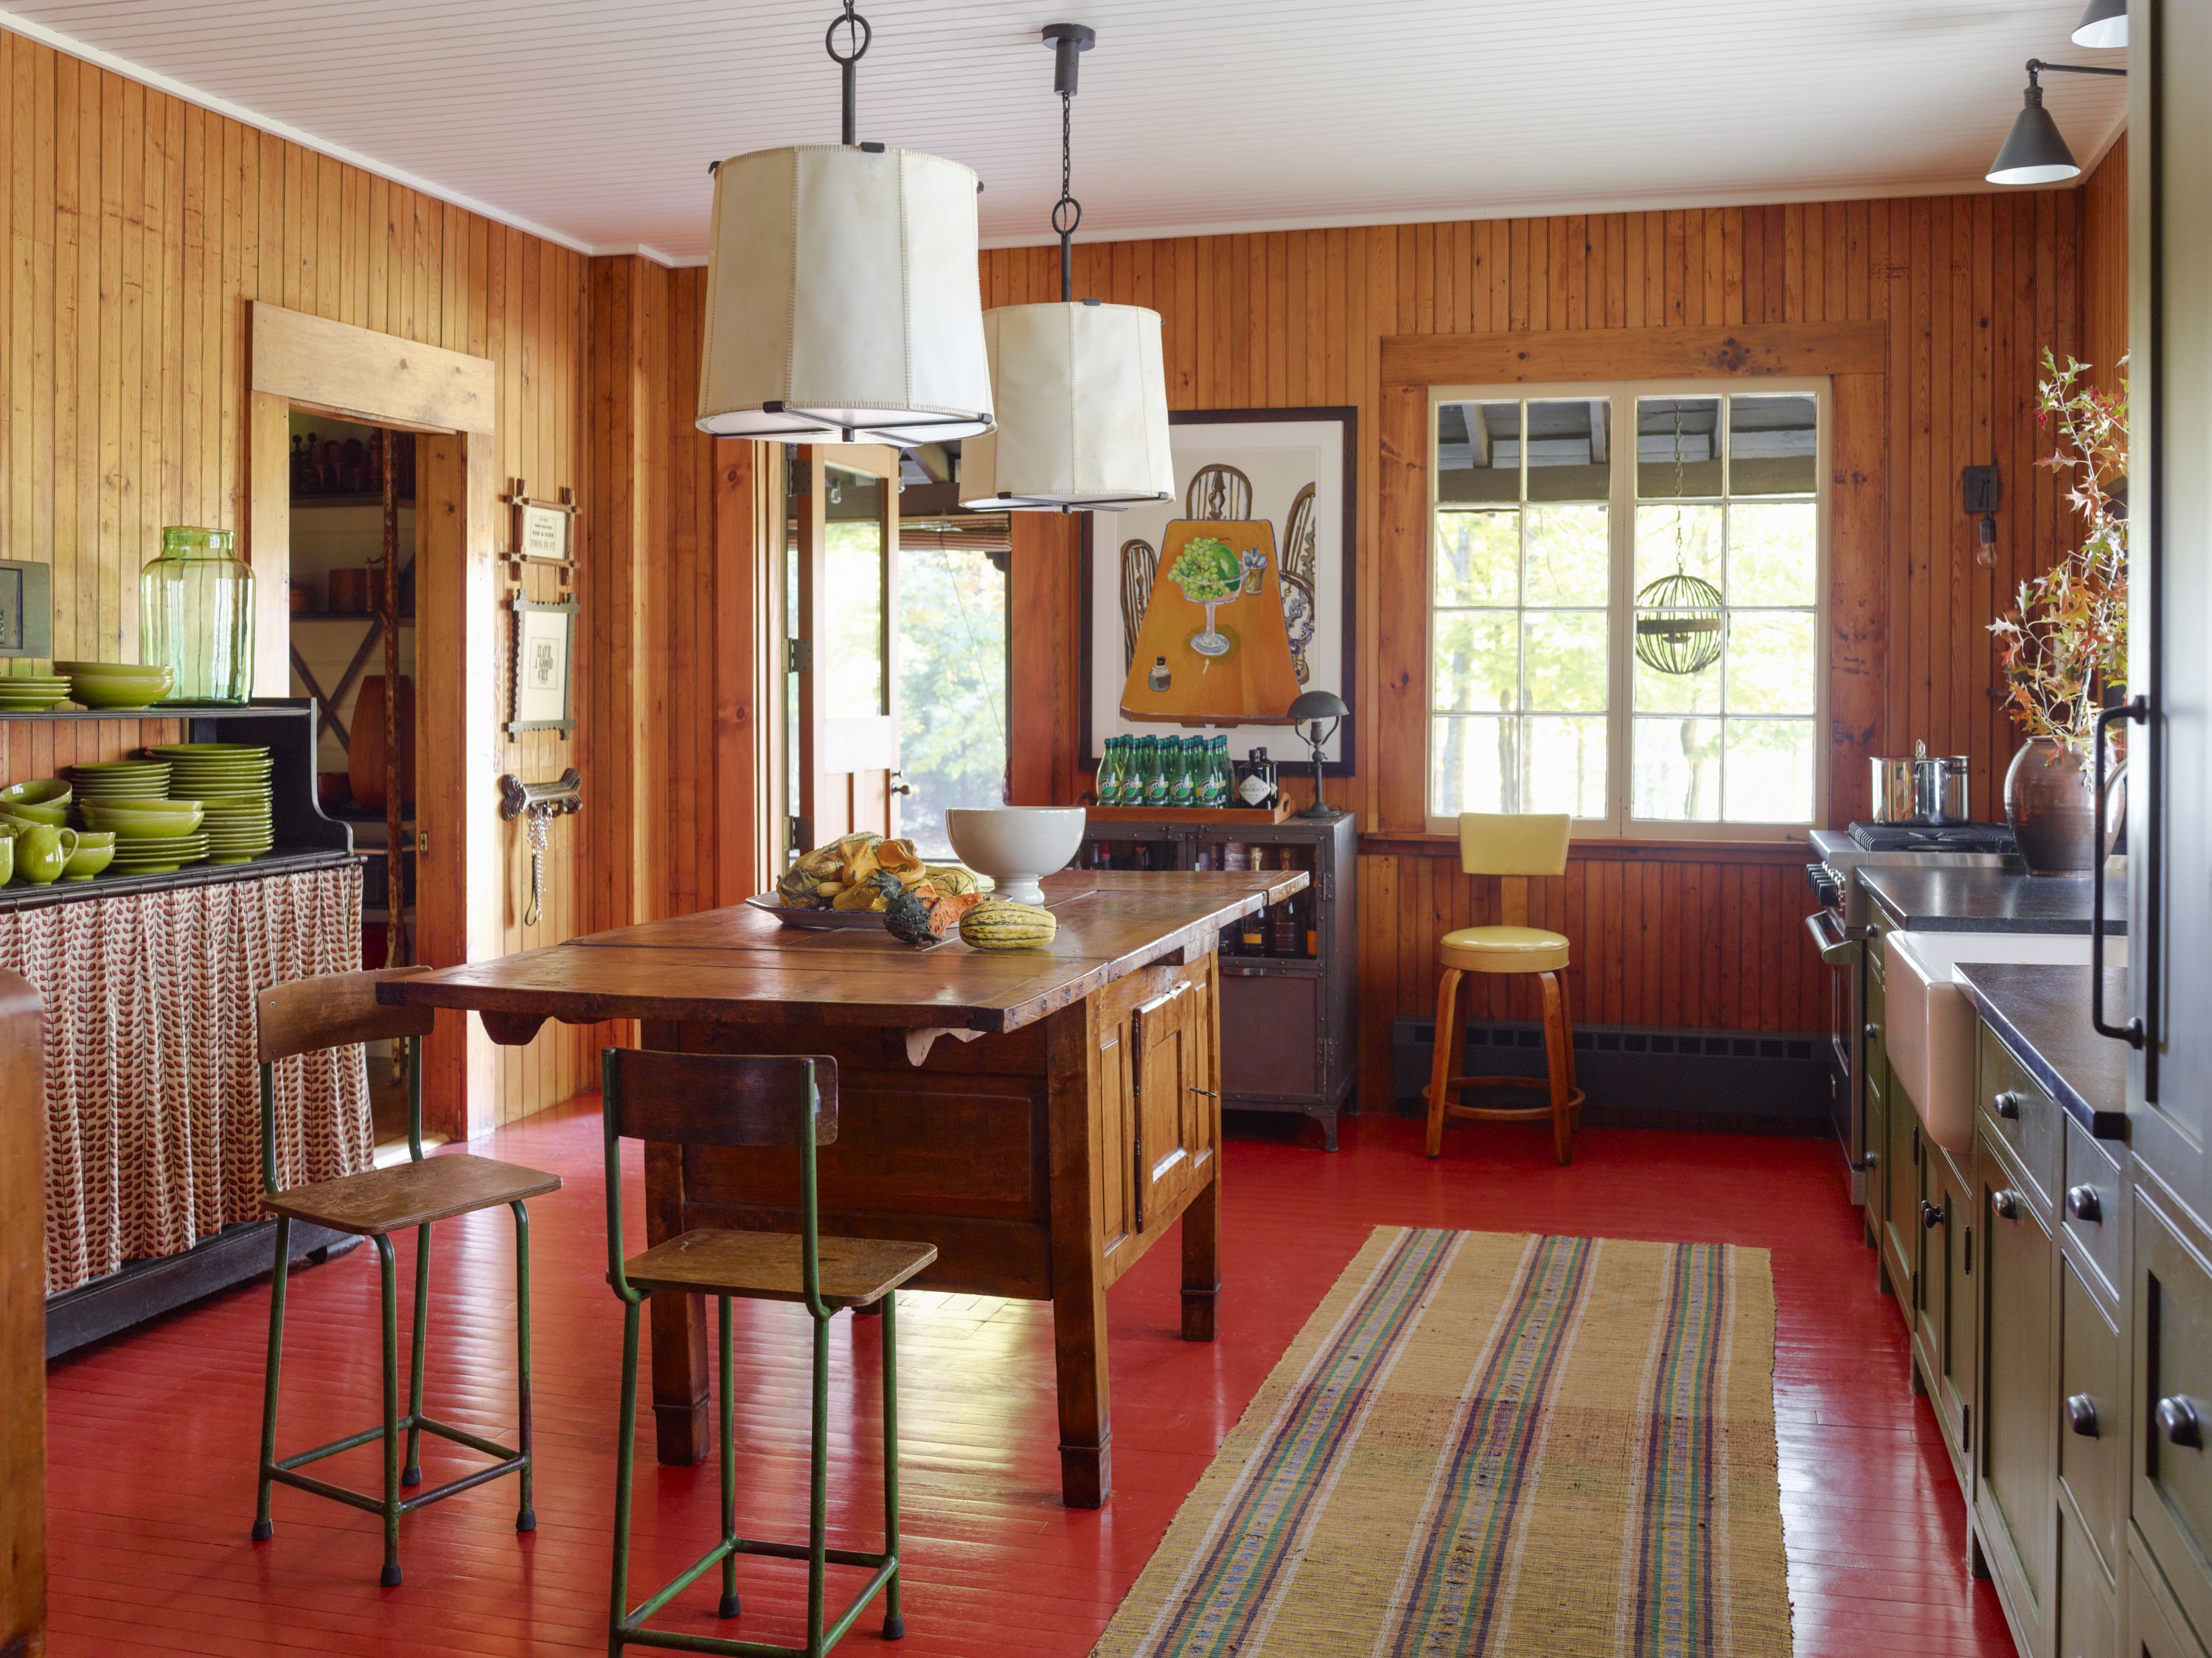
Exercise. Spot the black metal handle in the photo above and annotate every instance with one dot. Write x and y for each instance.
(2136, 708)
(2083, 1204)
(2081, 1415)
(2005, 1105)
(2177, 1421)
(1208, 1092)
(1931, 1216)
(2005, 1205)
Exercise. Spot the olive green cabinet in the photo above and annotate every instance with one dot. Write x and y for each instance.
(2171, 1474)
(1901, 1227)
(1944, 1336)
(2015, 1462)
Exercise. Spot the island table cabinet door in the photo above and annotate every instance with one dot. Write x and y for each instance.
(1158, 1036)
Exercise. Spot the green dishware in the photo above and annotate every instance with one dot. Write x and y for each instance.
(7, 859)
(96, 851)
(42, 851)
(143, 819)
(45, 800)
(106, 690)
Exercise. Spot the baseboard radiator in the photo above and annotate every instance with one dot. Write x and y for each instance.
(1635, 1077)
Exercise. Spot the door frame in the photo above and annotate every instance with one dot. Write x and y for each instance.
(449, 399)
(825, 744)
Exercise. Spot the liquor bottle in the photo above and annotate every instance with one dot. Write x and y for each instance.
(1253, 940)
(1256, 786)
(1285, 931)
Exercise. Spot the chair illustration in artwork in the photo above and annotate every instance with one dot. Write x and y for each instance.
(1298, 563)
(1217, 492)
(1140, 562)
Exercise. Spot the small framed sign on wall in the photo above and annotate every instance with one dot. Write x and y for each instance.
(542, 530)
(26, 609)
(543, 655)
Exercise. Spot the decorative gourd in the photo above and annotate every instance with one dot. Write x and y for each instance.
(999, 924)
(876, 892)
(798, 891)
(908, 918)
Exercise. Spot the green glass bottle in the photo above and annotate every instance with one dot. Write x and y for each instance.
(1154, 771)
(1179, 778)
(1109, 773)
(196, 616)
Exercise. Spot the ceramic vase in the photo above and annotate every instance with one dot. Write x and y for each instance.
(2051, 806)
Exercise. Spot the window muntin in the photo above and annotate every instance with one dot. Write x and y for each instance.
(1541, 545)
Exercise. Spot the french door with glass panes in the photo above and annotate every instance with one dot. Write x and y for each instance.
(844, 678)
(1571, 525)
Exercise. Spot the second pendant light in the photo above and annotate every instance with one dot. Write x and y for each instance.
(1079, 386)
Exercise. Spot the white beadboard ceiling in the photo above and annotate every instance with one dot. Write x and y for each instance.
(594, 120)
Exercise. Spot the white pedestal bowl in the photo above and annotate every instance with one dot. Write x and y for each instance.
(1016, 845)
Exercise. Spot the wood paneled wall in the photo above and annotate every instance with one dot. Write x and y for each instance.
(1971, 288)
(2105, 264)
(138, 227)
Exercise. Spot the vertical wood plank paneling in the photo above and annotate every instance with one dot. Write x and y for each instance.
(1972, 289)
(138, 227)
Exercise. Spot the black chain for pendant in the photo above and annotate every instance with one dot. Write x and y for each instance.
(1066, 212)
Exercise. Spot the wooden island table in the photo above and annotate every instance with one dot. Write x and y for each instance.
(1043, 1155)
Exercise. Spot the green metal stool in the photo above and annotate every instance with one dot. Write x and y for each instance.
(747, 1101)
(308, 1015)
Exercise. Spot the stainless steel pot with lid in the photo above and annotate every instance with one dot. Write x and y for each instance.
(1939, 788)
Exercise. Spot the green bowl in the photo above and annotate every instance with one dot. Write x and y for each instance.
(105, 692)
(113, 670)
(95, 852)
(45, 800)
(144, 820)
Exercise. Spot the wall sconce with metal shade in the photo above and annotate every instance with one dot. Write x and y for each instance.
(2103, 26)
(843, 302)
(1311, 709)
(2035, 151)
(1080, 388)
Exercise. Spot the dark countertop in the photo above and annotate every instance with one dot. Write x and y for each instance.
(2042, 1013)
(1994, 901)
(16, 897)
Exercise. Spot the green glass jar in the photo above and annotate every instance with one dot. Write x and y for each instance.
(196, 616)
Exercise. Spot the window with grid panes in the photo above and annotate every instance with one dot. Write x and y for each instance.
(1554, 509)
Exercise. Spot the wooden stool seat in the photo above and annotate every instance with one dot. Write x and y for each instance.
(1503, 950)
(411, 1194)
(770, 1266)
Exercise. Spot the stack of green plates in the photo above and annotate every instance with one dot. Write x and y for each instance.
(32, 693)
(97, 780)
(161, 857)
(231, 780)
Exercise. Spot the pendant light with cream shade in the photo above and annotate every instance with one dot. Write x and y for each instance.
(1080, 387)
(843, 303)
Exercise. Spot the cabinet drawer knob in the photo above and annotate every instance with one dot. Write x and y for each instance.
(2007, 1105)
(2081, 1415)
(1873, 1032)
(2083, 1204)
(2177, 1421)
(1931, 1216)
(2005, 1205)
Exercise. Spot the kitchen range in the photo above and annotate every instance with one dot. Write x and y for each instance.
(1840, 930)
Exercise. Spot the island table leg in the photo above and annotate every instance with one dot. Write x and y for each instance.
(1202, 1258)
(1078, 1273)
(680, 1414)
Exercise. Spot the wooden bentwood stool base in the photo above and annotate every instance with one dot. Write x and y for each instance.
(1512, 847)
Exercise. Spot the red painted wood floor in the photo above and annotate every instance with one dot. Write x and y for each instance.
(153, 1435)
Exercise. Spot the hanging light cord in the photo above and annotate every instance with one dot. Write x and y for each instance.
(1066, 212)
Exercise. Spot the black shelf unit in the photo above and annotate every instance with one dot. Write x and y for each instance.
(1287, 1022)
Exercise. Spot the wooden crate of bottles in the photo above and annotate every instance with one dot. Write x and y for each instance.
(1287, 986)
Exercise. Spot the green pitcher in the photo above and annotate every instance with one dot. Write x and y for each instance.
(42, 851)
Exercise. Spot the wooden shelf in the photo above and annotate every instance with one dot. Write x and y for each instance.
(1213, 816)
(157, 712)
(308, 502)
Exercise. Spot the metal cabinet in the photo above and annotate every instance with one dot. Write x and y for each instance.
(1287, 1022)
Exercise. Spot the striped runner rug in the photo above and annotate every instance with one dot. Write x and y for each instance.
(1495, 1444)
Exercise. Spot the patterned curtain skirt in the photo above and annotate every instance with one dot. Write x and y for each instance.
(153, 1094)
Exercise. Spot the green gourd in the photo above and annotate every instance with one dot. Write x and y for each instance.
(999, 924)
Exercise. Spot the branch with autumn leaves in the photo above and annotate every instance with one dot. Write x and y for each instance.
(2064, 644)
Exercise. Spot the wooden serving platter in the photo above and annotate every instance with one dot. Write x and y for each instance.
(1220, 815)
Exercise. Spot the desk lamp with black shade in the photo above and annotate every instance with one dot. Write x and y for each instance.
(1310, 711)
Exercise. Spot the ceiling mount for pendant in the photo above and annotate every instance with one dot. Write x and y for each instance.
(1080, 387)
(843, 303)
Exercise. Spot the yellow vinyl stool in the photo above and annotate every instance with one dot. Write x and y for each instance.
(1513, 847)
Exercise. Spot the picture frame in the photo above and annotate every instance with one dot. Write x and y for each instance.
(26, 609)
(1296, 469)
(542, 686)
(542, 532)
